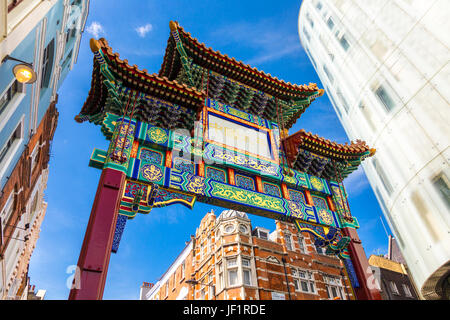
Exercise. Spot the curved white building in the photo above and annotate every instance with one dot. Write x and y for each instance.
(385, 67)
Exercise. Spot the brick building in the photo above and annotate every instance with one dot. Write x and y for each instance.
(24, 208)
(45, 35)
(228, 259)
(391, 274)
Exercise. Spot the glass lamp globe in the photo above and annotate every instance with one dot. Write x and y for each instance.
(24, 73)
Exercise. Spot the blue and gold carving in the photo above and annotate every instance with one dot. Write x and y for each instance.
(301, 211)
(216, 105)
(320, 203)
(196, 185)
(184, 165)
(296, 196)
(316, 183)
(151, 156)
(151, 172)
(120, 147)
(216, 174)
(120, 227)
(271, 189)
(165, 197)
(247, 197)
(220, 155)
(244, 182)
(157, 135)
(325, 216)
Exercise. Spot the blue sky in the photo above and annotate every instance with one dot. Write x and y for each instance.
(261, 33)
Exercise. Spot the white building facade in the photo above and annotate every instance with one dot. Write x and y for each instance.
(385, 67)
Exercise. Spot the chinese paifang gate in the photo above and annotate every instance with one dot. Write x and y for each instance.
(212, 129)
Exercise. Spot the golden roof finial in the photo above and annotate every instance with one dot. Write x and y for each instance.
(173, 25)
(95, 46)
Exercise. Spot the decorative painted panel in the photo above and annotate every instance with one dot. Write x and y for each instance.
(296, 196)
(271, 189)
(215, 154)
(216, 174)
(150, 172)
(320, 202)
(245, 182)
(216, 105)
(184, 165)
(247, 197)
(151, 156)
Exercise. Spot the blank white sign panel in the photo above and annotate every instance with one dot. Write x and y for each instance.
(234, 135)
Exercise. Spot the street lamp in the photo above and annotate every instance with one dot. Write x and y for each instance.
(23, 72)
(194, 282)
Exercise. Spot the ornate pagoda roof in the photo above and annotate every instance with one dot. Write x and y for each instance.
(319, 156)
(185, 52)
(111, 74)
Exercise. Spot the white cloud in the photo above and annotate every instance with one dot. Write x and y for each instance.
(96, 29)
(143, 30)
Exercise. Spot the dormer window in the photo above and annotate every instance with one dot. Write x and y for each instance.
(263, 235)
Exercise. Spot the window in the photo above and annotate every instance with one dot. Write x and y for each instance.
(407, 290)
(303, 281)
(220, 275)
(367, 114)
(8, 95)
(210, 286)
(232, 262)
(343, 100)
(319, 250)
(246, 272)
(202, 294)
(328, 73)
(183, 269)
(47, 63)
(232, 272)
(167, 288)
(34, 206)
(34, 157)
(306, 34)
(12, 141)
(229, 228)
(330, 23)
(13, 4)
(441, 184)
(308, 17)
(7, 210)
(301, 244)
(201, 251)
(393, 287)
(334, 287)
(287, 240)
(67, 60)
(382, 95)
(319, 5)
(382, 175)
(263, 235)
(242, 228)
(344, 43)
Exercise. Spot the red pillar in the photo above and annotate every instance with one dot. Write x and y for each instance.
(96, 250)
(366, 290)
